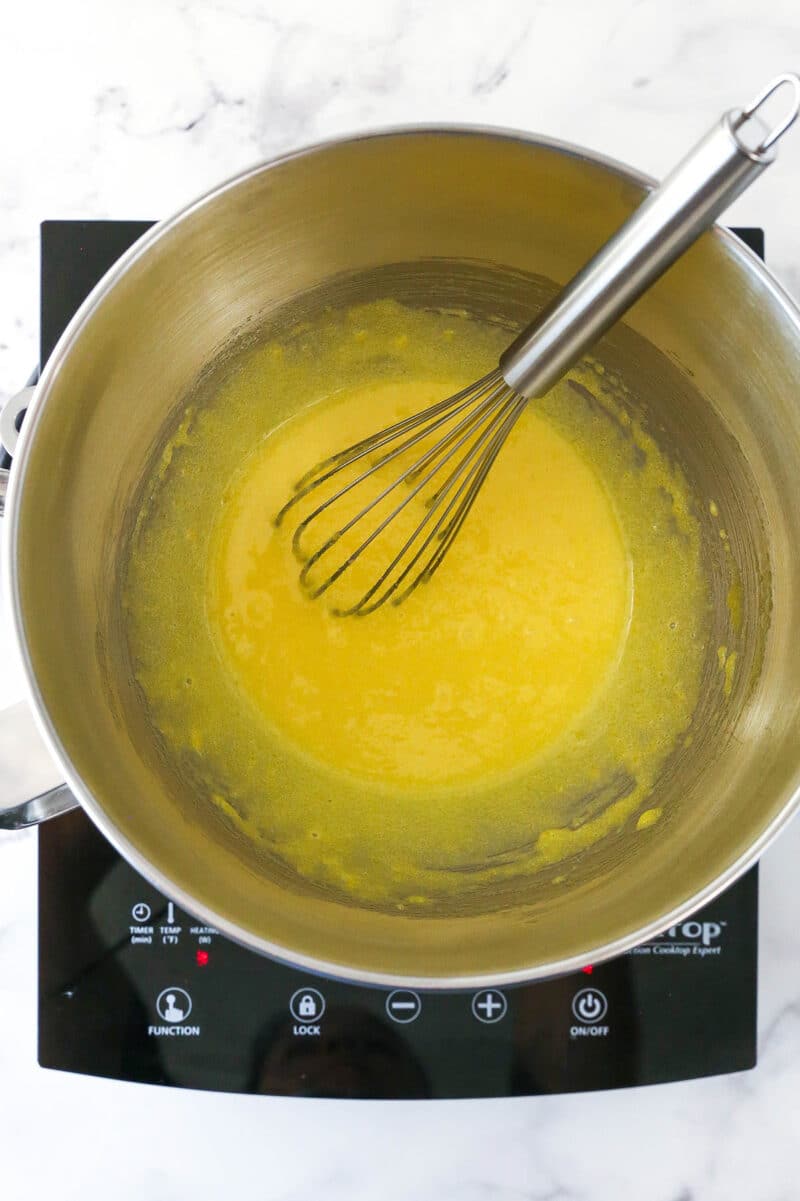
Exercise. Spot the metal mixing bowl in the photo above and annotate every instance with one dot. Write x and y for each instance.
(492, 221)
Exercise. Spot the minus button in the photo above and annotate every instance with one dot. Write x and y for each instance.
(403, 1006)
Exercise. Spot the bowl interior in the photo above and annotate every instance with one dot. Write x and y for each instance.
(493, 224)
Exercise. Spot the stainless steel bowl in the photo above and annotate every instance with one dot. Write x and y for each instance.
(711, 357)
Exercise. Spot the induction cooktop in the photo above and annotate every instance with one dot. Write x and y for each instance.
(134, 988)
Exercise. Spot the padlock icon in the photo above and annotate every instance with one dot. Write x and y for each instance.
(307, 1006)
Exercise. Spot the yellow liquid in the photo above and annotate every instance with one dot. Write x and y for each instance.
(480, 668)
(512, 712)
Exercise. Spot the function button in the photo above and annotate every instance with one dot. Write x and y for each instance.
(174, 1004)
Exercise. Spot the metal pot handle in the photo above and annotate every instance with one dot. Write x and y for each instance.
(32, 787)
(10, 419)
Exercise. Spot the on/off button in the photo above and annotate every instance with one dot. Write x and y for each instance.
(589, 1005)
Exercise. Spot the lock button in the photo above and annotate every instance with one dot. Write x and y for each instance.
(307, 1004)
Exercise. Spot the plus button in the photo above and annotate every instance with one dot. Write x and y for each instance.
(489, 1006)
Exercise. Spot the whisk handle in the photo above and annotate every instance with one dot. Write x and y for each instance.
(717, 170)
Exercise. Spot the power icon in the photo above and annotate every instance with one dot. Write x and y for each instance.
(589, 1005)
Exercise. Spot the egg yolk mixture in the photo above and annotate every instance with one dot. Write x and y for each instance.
(483, 666)
(512, 711)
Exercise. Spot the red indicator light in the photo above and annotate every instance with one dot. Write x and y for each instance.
(201, 957)
(588, 969)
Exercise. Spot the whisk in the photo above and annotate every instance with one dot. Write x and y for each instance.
(419, 477)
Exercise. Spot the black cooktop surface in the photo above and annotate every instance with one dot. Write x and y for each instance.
(131, 987)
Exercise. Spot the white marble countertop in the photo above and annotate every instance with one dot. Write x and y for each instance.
(119, 110)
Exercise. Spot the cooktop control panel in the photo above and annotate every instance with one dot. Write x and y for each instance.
(131, 986)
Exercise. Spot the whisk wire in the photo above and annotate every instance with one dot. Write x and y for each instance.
(474, 424)
(465, 424)
(432, 507)
(446, 475)
(465, 428)
(442, 533)
(477, 477)
(329, 467)
(472, 405)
